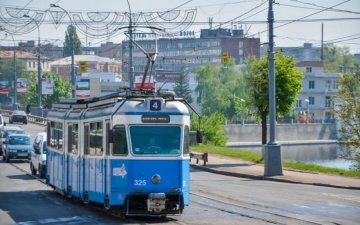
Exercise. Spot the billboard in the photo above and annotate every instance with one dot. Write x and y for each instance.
(47, 86)
(4, 87)
(82, 87)
(21, 85)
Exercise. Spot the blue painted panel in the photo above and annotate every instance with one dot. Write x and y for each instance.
(74, 174)
(94, 179)
(186, 181)
(56, 169)
(130, 176)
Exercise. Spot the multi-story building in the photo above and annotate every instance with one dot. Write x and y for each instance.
(304, 53)
(30, 59)
(176, 54)
(94, 63)
(318, 90)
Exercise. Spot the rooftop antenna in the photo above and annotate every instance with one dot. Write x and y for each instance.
(211, 19)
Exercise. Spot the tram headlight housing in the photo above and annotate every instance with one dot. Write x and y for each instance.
(156, 178)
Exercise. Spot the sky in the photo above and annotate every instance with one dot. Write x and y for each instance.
(296, 21)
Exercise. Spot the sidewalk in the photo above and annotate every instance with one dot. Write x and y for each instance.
(239, 168)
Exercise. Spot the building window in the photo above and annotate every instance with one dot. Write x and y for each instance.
(311, 100)
(328, 85)
(311, 84)
(335, 85)
(309, 69)
(327, 101)
(298, 104)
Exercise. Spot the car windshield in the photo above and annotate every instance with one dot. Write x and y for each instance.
(19, 113)
(162, 140)
(13, 132)
(19, 140)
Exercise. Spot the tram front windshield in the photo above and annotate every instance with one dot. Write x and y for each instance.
(162, 140)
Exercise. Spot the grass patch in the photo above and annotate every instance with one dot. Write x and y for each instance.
(256, 158)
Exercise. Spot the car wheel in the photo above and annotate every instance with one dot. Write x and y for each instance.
(33, 171)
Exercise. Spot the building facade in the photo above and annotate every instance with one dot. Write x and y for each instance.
(94, 63)
(307, 52)
(315, 101)
(30, 59)
(177, 54)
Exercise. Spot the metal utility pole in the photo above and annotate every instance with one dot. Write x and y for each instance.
(272, 156)
(72, 51)
(39, 68)
(131, 68)
(322, 42)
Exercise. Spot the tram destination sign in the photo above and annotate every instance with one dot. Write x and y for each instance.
(155, 119)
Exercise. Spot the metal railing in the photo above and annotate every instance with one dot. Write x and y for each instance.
(31, 118)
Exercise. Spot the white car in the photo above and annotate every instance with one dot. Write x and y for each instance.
(38, 155)
(1, 122)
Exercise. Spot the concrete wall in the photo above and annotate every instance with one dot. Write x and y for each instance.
(284, 132)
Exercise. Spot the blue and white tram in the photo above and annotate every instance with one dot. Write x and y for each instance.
(128, 153)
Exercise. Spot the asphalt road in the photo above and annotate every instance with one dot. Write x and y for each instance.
(214, 199)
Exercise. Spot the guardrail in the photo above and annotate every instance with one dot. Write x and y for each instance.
(199, 156)
(33, 119)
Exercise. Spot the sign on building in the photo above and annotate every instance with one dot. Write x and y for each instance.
(4, 87)
(47, 86)
(21, 85)
(83, 87)
(83, 66)
(225, 58)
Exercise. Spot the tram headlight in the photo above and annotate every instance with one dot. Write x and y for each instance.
(156, 178)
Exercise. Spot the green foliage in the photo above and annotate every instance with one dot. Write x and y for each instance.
(338, 59)
(213, 128)
(71, 38)
(62, 89)
(348, 113)
(220, 89)
(7, 74)
(288, 83)
(182, 88)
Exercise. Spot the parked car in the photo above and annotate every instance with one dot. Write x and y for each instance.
(2, 123)
(38, 155)
(17, 146)
(5, 132)
(18, 116)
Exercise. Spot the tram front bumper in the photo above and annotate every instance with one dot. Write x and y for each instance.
(156, 202)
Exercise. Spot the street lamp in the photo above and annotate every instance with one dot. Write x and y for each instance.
(15, 106)
(72, 51)
(307, 113)
(39, 67)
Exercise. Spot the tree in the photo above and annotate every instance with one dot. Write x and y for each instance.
(348, 112)
(182, 88)
(7, 74)
(71, 38)
(220, 89)
(338, 59)
(62, 89)
(288, 85)
(213, 127)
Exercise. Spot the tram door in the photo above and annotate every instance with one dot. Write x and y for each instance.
(73, 160)
(94, 162)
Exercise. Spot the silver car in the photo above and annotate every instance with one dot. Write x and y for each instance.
(6, 131)
(17, 146)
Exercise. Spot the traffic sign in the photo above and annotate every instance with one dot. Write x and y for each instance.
(225, 58)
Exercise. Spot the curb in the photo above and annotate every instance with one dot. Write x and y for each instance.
(255, 177)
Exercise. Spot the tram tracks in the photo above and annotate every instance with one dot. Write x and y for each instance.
(245, 209)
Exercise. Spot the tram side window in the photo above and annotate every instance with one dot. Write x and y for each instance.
(56, 136)
(120, 143)
(74, 138)
(96, 138)
(186, 140)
